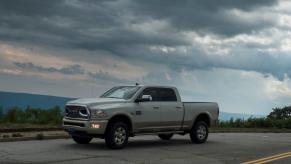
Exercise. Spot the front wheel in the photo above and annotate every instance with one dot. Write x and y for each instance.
(117, 135)
(199, 132)
(82, 140)
(166, 136)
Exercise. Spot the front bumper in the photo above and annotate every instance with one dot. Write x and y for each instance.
(84, 126)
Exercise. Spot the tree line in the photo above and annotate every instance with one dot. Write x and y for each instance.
(17, 115)
(278, 118)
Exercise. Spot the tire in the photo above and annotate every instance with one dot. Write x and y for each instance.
(166, 136)
(116, 136)
(199, 132)
(82, 140)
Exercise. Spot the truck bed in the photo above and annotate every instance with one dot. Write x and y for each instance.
(194, 108)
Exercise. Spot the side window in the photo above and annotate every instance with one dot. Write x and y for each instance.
(151, 91)
(167, 94)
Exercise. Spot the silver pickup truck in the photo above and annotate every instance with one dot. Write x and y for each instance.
(126, 111)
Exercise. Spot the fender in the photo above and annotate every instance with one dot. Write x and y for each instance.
(203, 113)
(124, 114)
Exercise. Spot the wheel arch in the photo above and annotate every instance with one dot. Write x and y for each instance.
(202, 117)
(122, 118)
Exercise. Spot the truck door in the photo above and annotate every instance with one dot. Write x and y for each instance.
(148, 114)
(171, 110)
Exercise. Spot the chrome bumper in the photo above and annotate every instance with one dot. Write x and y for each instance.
(71, 126)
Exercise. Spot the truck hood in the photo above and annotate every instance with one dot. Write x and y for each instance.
(96, 101)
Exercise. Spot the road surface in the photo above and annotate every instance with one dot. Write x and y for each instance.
(220, 148)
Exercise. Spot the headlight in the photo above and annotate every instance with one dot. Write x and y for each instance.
(95, 114)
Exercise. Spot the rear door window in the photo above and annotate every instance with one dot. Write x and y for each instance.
(167, 94)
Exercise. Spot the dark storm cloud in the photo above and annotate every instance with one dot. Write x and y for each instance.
(204, 15)
(103, 24)
(74, 69)
(75, 24)
(57, 23)
(111, 26)
(68, 70)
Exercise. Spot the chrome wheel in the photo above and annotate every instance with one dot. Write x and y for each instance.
(116, 136)
(201, 132)
(119, 135)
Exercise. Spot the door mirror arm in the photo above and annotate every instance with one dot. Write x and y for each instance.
(144, 98)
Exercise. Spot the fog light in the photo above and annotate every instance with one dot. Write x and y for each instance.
(96, 126)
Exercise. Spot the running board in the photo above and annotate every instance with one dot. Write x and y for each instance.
(164, 132)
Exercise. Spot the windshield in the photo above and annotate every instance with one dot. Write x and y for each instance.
(122, 92)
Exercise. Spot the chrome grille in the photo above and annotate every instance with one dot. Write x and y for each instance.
(76, 112)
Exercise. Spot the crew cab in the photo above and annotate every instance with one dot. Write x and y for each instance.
(127, 111)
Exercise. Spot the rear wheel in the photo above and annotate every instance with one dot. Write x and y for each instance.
(166, 136)
(82, 140)
(199, 132)
(117, 135)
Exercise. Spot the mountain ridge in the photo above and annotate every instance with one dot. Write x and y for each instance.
(12, 99)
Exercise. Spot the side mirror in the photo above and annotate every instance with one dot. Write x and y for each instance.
(144, 98)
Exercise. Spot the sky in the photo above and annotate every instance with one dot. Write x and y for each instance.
(236, 53)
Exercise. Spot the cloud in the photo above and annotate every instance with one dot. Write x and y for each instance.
(205, 15)
(234, 90)
(228, 47)
(11, 71)
(74, 69)
(100, 75)
(154, 31)
(68, 70)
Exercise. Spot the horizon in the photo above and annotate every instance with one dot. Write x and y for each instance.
(235, 53)
(35, 94)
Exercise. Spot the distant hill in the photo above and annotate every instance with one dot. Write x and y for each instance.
(12, 99)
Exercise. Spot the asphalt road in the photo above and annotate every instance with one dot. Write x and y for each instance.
(220, 148)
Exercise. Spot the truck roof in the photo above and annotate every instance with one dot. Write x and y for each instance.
(162, 86)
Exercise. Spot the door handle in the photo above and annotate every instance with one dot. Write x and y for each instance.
(156, 107)
(178, 107)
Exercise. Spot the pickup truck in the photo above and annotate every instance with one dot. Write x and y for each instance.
(127, 111)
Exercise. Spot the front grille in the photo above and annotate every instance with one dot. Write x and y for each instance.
(76, 112)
